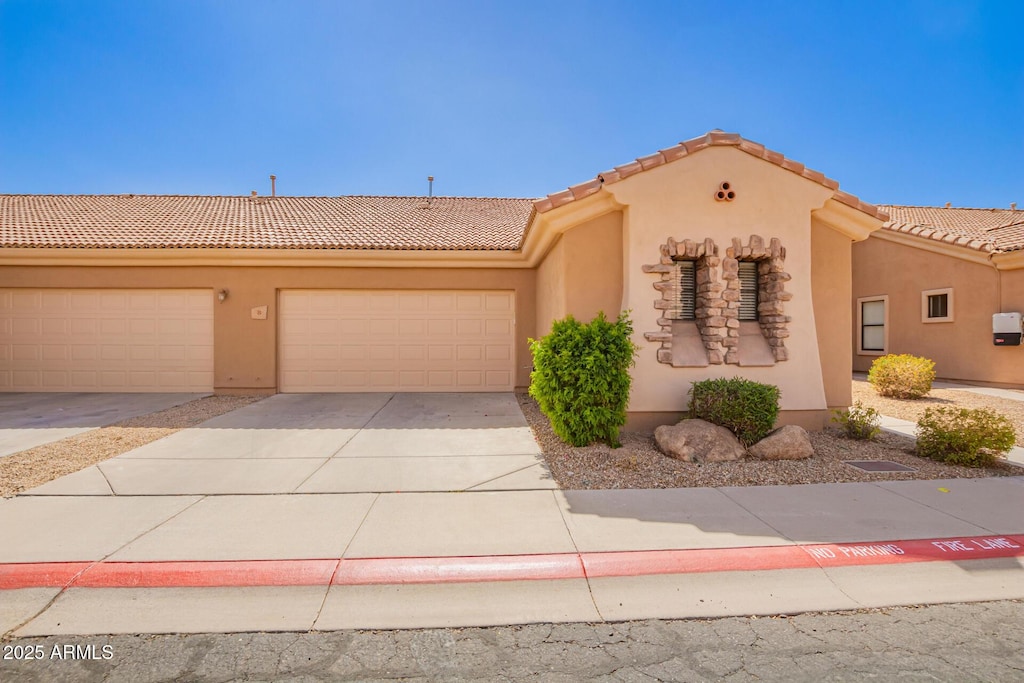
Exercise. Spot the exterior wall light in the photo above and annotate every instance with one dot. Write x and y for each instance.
(221, 295)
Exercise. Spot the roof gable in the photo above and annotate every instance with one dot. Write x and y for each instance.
(712, 139)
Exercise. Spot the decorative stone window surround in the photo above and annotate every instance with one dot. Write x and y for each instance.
(718, 295)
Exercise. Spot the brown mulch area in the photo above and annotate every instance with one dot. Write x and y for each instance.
(638, 464)
(36, 466)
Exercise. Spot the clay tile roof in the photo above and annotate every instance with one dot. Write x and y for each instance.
(715, 138)
(987, 230)
(355, 222)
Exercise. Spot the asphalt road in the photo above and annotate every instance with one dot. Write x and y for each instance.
(967, 642)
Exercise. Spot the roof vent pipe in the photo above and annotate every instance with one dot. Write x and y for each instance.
(430, 188)
(949, 204)
(1013, 206)
(273, 185)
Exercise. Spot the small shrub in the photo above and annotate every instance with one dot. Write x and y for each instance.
(747, 409)
(581, 378)
(964, 436)
(859, 422)
(902, 376)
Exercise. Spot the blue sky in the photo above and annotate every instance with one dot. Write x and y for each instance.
(901, 102)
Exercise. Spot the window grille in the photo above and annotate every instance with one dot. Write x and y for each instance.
(683, 296)
(748, 290)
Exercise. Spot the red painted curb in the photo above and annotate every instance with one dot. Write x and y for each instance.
(208, 574)
(396, 570)
(701, 560)
(414, 570)
(40, 574)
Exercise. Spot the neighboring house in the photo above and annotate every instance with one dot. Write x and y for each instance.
(929, 283)
(732, 259)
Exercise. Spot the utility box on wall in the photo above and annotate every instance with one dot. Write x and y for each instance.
(1006, 329)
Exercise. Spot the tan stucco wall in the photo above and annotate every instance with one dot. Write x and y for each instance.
(677, 200)
(593, 266)
(245, 350)
(962, 349)
(551, 289)
(831, 256)
(582, 274)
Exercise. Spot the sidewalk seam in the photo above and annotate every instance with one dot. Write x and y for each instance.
(782, 535)
(92, 564)
(579, 555)
(104, 475)
(917, 502)
(341, 556)
(501, 476)
(342, 446)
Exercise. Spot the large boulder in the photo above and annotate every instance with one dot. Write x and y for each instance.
(698, 441)
(785, 443)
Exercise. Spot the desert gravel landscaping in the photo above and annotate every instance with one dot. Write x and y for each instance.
(36, 466)
(913, 409)
(639, 464)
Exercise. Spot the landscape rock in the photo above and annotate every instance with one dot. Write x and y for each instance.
(698, 441)
(785, 443)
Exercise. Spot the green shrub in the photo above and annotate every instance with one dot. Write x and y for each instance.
(581, 378)
(747, 409)
(962, 436)
(902, 376)
(859, 422)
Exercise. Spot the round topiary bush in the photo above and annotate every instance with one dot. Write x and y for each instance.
(902, 375)
(964, 436)
(747, 409)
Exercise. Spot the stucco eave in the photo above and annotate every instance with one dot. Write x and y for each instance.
(847, 220)
(1012, 260)
(547, 227)
(369, 258)
(935, 247)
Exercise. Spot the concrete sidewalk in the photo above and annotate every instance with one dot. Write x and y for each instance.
(300, 562)
(302, 512)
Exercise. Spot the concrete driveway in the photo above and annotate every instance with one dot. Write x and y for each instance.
(332, 443)
(28, 420)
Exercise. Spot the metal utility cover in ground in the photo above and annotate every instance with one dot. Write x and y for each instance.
(879, 466)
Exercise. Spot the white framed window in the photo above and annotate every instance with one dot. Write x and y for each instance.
(873, 325)
(683, 295)
(748, 290)
(937, 305)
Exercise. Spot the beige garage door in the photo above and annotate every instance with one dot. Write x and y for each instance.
(396, 340)
(106, 340)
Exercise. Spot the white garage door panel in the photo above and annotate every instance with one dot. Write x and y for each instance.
(396, 340)
(106, 340)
